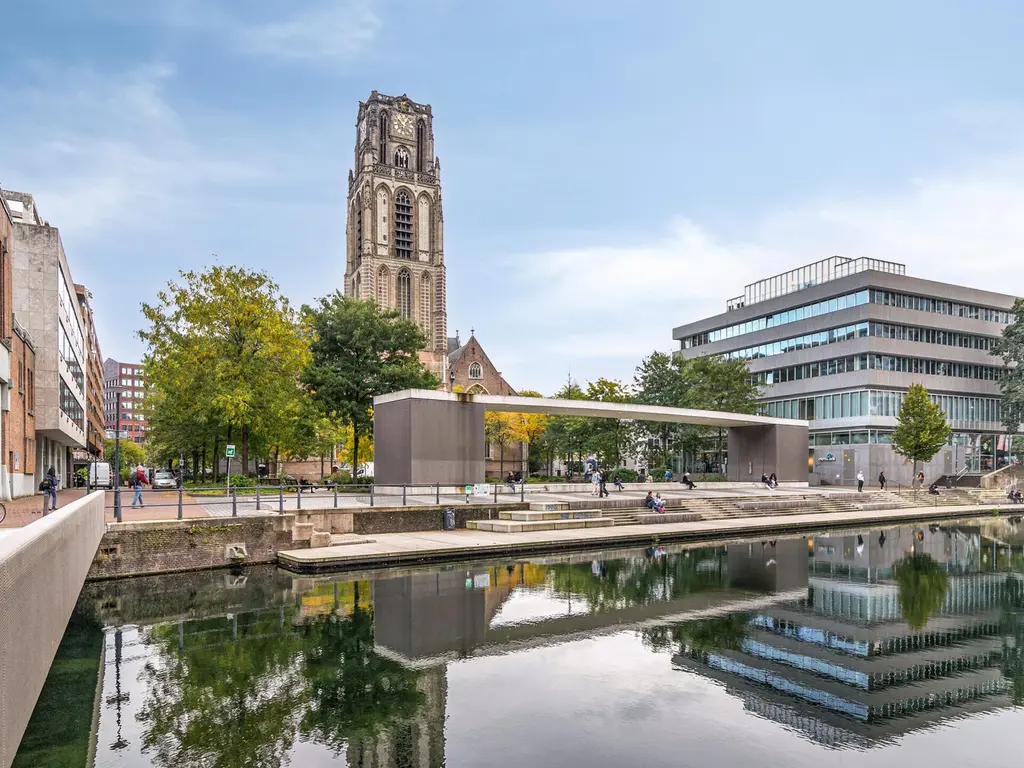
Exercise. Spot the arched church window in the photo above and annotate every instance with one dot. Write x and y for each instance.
(404, 293)
(384, 288)
(426, 304)
(476, 371)
(403, 225)
(401, 158)
(477, 389)
(421, 145)
(382, 147)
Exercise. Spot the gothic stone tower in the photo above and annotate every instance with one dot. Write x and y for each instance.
(394, 235)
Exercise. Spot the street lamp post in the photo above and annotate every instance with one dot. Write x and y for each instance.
(116, 473)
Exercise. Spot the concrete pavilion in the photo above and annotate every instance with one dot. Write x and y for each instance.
(426, 436)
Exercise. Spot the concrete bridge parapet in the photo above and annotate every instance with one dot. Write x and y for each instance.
(42, 569)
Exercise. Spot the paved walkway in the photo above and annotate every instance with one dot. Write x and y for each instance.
(393, 548)
(24, 510)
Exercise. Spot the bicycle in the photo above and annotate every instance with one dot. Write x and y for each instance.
(3, 512)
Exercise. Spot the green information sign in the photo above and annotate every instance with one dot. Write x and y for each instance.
(229, 451)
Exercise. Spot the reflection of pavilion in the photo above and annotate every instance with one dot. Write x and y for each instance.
(844, 668)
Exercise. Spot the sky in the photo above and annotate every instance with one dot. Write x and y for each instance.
(610, 170)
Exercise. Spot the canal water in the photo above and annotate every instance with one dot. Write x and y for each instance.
(884, 647)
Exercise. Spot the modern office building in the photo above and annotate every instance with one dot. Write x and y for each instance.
(45, 304)
(130, 380)
(840, 341)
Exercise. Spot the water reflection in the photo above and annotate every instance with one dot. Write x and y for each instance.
(848, 640)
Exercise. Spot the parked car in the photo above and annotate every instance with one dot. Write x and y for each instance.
(100, 475)
(164, 480)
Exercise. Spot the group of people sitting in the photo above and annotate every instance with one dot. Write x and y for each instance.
(654, 501)
(770, 481)
(512, 479)
(1015, 495)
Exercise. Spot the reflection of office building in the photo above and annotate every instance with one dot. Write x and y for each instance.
(772, 566)
(840, 341)
(845, 668)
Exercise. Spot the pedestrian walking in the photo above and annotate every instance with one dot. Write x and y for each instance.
(881, 479)
(860, 481)
(49, 486)
(138, 481)
(603, 486)
(595, 483)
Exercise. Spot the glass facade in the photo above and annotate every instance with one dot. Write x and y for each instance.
(864, 362)
(846, 301)
(69, 404)
(961, 410)
(863, 330)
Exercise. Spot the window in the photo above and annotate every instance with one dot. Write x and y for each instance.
(403, 225)
(426, 305)
(382, 146)
(69, 404)
(477, 389)
(384, 288)
(404, 293)
(401, 158)
(421, 146)
(476, 371)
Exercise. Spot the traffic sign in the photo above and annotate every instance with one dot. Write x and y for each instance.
(229, 451)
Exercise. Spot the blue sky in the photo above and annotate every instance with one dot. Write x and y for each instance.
(610, 169)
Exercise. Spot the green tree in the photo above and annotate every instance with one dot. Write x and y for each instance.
(359, 350)
(224, 351)
(1010, 347)
(718, 384)
(923, 584)
(921, 428)
(132, 454)
(504, 429)
(608, 438)
(659, 380)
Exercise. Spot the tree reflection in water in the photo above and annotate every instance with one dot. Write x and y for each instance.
(243, 702)
(923, 584)
(616, 584)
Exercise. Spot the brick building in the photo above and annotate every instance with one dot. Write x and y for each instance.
(94, 423)
(130, 380)
(471, 370)
(17, 359)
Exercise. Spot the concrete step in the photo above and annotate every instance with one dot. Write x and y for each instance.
(548, 506)
(527, 515)
(516, 526)
(343, 539)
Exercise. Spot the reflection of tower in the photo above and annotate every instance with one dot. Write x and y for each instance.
(415, 743)
(118, 698)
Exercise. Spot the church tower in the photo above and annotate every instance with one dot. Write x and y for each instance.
(394, 233)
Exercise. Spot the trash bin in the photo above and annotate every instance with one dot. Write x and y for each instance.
(449, 519)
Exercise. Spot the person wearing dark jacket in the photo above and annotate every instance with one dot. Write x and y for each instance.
(51, 483)
(881, 479)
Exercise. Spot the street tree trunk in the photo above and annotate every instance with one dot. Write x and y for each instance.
(245, 449)
(216, 464)
(355, 452)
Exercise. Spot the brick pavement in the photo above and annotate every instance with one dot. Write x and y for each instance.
(24, 510)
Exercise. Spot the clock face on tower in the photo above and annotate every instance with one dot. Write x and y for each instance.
(402, 124)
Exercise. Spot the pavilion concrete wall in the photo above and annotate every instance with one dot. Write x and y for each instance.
(42, 570)
(428, 441)
(758, 450)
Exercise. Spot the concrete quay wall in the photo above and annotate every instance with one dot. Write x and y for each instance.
(42, 569)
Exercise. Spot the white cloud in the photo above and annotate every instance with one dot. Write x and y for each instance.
(99, 149)
(597, 310)
(338, 29)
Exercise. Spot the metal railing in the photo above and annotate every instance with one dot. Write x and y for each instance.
(290, 497)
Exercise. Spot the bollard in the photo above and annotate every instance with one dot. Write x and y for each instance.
(522, 491)
(371, 494)
(335, 495)
(46, 504)
(280, 499)
(403, 495)
(437, 494)
(298, 496)
(495, 493)
(257, 496)
(234, 503)
(180, 512)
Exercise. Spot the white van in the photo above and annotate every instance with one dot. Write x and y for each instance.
(99, 475)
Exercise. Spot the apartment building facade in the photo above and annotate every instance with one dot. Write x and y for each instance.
(45, 305)
(840, 341)
(130, 380)
(94, 416)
